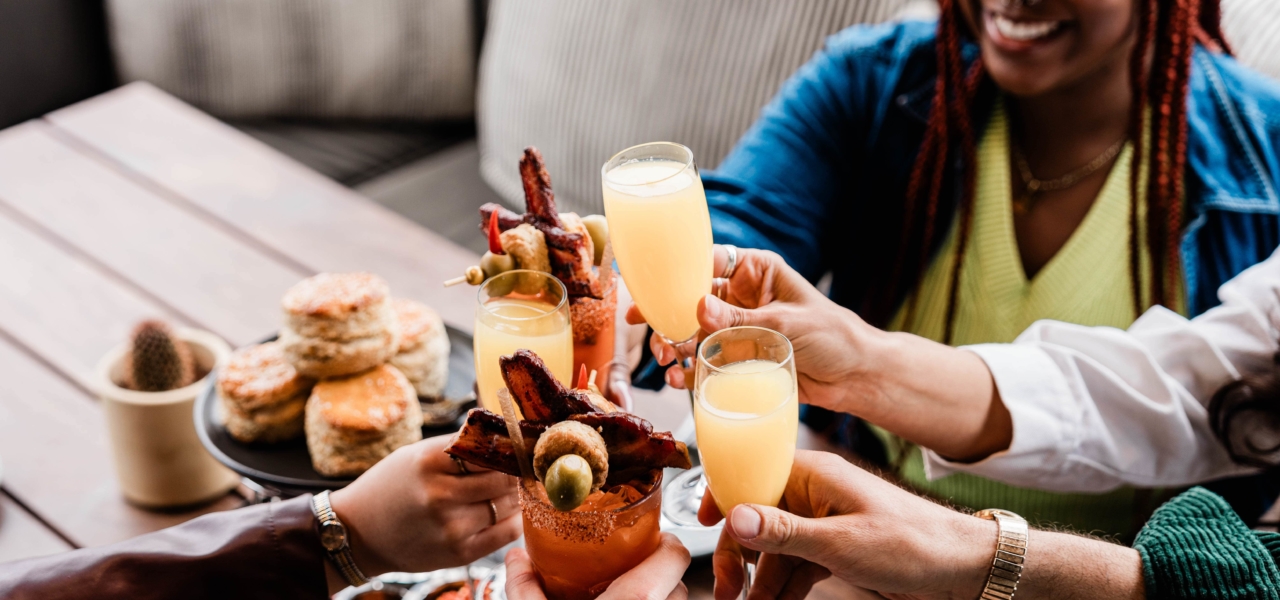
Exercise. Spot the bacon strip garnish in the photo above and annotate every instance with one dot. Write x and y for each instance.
(571, 260)
(634, 448)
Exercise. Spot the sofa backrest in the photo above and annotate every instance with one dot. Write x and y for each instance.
(583, 79)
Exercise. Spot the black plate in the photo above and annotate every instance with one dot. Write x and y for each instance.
(287, 467)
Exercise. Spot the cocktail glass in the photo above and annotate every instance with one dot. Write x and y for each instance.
(516, 310)
(577, 554)
(594, 328)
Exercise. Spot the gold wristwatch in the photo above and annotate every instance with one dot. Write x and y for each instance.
(333, 536)
(1011, 553)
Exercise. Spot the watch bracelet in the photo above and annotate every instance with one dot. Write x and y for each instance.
(341, 558)
(1010, 555)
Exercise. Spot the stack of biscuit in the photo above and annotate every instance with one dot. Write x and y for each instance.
(373, 357)
(261, 395)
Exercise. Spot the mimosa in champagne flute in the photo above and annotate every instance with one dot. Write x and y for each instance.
(661, 233)
(747, 415)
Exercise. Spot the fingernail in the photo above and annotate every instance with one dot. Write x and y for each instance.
(746, 523)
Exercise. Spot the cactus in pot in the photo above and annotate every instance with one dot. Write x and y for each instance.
(157, 360)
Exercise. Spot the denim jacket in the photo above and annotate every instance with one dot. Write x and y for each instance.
(820, 177)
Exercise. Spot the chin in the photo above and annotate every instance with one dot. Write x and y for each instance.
(1021, 80)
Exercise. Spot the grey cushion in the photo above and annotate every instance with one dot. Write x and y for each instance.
(583, 79)
(1252, 27)
(361, 59)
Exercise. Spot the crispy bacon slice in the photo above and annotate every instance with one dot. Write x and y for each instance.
(540, 396)
(634, 448)
(571, 261)
(539, 200)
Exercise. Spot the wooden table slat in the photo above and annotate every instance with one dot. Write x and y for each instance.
(187, 264)
(287, 208)
(23, 536)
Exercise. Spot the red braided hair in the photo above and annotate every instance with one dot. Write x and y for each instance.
(1173, 27)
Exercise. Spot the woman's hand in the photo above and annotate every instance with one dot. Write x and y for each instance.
(417, 511)
(657, 577)
(765, 292)
(938, 397)
(851, 524)
(837, 519)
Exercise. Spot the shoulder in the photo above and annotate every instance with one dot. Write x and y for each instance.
(885, 41)
(1256, 94)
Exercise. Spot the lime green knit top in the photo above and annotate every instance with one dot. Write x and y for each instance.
(1086, 282)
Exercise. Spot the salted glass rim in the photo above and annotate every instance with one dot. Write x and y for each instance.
(702, 363)
(656, 489)
(480, 293)
(614, 162)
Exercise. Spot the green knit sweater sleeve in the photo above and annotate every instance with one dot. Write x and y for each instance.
(1196, 547)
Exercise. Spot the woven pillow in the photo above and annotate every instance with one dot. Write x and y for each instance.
(351, 59)
(583, 79)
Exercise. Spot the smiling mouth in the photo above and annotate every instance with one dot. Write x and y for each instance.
(1022, 31)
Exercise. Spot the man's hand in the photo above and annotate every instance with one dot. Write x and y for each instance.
(417, 511)
(657, 577)
(837, 519)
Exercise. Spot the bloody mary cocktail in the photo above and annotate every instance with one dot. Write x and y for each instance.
(578, 553)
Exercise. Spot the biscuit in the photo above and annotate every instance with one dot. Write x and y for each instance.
(261, 395)
(423, 355)
(353, 422)
(338, 323)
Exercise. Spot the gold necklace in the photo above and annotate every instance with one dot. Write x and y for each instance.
(1032, 187)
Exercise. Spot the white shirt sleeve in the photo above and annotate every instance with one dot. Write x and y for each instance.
(1095, 408)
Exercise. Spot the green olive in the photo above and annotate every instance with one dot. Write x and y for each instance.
(598, 228)
(493, 264)
(568, 482)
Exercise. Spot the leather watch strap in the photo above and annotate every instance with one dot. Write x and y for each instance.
(333, 535)
(1011, 554)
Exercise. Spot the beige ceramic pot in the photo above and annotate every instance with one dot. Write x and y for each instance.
(158, 457)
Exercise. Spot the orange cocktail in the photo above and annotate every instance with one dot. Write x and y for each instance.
(594, 330)
(577, 554)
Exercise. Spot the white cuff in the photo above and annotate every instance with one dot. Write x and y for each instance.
(1045, 419)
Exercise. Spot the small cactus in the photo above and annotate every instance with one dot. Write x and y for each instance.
(157, 360)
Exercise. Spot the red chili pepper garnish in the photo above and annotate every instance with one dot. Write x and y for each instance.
(582, 376)
(495, 236)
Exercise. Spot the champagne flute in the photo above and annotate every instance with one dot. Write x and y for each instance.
(661, 234)
(747, 414)
(660, 229)
(517, 310)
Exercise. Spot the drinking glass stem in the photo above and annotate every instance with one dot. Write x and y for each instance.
(748, 571)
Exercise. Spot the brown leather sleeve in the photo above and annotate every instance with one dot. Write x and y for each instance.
(264, 551)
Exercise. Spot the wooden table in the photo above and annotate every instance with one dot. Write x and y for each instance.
(134, 205)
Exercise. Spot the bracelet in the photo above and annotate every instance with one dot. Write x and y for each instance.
(1011, 553)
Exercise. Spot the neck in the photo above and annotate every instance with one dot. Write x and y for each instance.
(1062, 129)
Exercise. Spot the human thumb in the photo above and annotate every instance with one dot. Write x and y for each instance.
(776, 531)
(715, 314)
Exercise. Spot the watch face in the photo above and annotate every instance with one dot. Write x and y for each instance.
(333, 536)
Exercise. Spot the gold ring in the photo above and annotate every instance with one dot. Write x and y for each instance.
(462, 466)
(493, 513)
(732, 264)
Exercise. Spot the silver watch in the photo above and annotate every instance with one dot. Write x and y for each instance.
(333, 536)
(1011, 553)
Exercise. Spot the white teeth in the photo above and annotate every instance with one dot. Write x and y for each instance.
(1023, 31)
